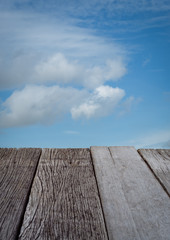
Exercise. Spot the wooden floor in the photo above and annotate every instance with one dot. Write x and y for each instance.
(115, 193)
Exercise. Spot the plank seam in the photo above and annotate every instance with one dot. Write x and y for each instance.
(27, 198)
(99, 195)
(157, 178)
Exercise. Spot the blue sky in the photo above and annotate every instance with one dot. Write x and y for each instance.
(82, 73)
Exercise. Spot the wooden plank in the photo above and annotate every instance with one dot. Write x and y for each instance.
(159, 162)
(64, 201)
(119, 220)
(17, 169)
(148, 202)
(135, 205)
(164, 152)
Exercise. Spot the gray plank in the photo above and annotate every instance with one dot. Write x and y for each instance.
(159, 162)
(148, 202)
(17, 169)
(128, 186)
(119, 220)
(64, 201)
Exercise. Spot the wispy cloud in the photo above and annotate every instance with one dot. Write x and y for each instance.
(71, 132)
(146, 62)
(38, 49)
(158, 139)
(94, 7)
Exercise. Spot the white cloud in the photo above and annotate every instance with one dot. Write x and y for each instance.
(86, 110)
(57, 69)
(115, 69)
(157, 139)
(40, 104)
(107, 92)
(37, 48)
(101, 103)
(112, 70)
(40, 49)
(71, 132)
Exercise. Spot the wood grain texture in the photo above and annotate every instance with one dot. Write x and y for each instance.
(146, 199)
(64, 201)
(17, 169)
(119, 219)
(159, 162)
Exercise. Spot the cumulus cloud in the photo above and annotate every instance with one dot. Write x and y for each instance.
(102, 102)
(38, 104)
(59, 69)
(43, 55)
(111, 71)
(41, 104)
(87, 110)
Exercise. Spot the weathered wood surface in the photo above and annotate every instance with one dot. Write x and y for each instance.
(159, 162)
(148, 202)
(138, 198)
(118, 216)
(17, 169)
(64, 201)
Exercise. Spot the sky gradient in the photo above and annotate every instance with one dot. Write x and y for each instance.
(82, 73)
